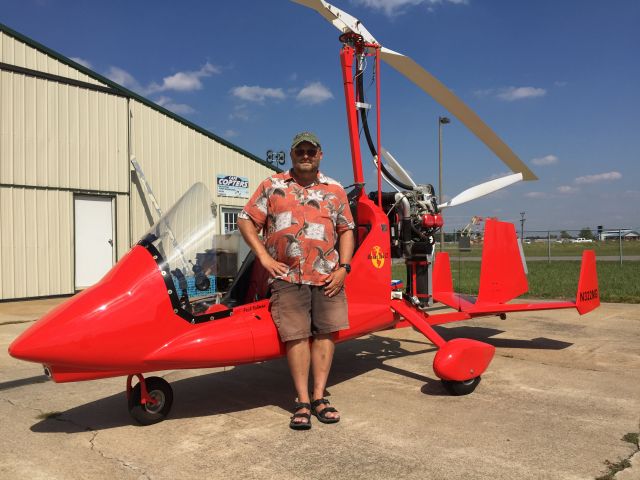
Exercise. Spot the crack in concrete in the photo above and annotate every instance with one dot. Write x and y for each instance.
(625, 463)
(13, 404)
(127, 465)
(17, 322)
(92, 441)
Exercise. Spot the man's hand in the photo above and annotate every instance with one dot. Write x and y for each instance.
(335, 281)
(274, 267)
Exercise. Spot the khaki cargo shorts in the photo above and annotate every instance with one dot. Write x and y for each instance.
(300, 311)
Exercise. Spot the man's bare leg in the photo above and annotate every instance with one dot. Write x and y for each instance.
(322, 350)
(299, 358)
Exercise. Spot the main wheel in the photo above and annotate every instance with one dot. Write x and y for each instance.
(150, 413)
(464, 387)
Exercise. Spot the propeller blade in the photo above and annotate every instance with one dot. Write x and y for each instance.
(427, 82)
(481, 190)
(400, 172)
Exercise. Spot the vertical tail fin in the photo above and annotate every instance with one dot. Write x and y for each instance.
(502, 275)
(588, 296)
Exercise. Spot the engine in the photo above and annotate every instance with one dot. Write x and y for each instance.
(414, 220)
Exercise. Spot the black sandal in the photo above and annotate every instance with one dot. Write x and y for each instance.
(300, 425)
(322, 414)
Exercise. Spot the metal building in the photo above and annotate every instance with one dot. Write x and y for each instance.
(70, 203)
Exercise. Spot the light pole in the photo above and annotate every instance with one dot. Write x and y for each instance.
(276, 157)
(522, 219)
(441, 121)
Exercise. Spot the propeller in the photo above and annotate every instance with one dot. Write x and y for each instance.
(400, 172)
(481, 190)
(427, 82)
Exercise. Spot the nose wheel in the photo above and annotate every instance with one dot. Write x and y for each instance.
(458, 388)
(150, 400)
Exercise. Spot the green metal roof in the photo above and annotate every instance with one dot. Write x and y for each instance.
(130, 94)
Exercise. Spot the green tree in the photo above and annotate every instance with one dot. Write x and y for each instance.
(586, 233)
(564, 234)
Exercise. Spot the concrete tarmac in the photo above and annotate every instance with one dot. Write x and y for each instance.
(555, 403)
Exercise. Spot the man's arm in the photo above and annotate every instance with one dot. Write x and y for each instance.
(250, 234)
(335, 280)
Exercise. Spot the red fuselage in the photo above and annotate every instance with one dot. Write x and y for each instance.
(126, 324)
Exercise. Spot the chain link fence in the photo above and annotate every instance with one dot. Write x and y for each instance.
(619, 245)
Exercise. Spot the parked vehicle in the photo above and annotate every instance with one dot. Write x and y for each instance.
(582, 240)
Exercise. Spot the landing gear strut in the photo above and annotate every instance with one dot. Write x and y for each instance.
(150, 400)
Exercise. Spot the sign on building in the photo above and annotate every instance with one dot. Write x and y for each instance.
(233, 186)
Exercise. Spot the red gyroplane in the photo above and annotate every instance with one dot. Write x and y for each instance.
(184, 297)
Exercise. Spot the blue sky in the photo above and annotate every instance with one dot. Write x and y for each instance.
(557, 80)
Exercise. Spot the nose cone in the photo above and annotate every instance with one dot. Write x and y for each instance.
(109, 324)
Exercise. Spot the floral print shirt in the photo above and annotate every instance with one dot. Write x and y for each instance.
(301, 224)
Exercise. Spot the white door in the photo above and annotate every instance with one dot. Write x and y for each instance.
(93, 238)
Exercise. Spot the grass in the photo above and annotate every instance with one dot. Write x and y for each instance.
(615, 467)
(541, 249)
(557, 280)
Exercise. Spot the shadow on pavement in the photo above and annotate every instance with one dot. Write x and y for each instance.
(484, 334)
(242, 388)
(258, 385)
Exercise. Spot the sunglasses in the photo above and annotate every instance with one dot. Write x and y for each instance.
(311, 152)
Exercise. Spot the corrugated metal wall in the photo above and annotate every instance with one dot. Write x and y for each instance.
(174, 157)
(59, 139)
(36, 242)
(15, 52)
(61, 136)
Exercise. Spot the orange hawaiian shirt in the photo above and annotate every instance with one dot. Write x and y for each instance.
(301, 224)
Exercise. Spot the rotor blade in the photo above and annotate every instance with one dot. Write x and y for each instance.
(427, 82)
(457, 107)
(400, 172)
(481, 190)
(339, 18)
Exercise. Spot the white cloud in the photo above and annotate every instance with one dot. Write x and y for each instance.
(257, 94)
(179, 108)
(184, 81)
(240, 112)
(82, 61)
(181, 81)
(314, 93)
(567, 189)
(230, 133)
(546, 160)
(536, 195)
(600, 177)
(511, 94)
(124, 78)
(397, 7)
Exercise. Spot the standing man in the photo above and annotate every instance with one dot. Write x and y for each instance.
(305, 216)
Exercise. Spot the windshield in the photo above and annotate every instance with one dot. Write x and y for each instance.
(200, 263)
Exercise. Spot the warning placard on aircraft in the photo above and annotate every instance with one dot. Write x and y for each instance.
(233, 186)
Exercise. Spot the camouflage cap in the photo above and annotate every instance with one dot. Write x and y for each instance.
(305, 137)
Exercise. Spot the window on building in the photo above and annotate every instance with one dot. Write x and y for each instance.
(230, 219)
